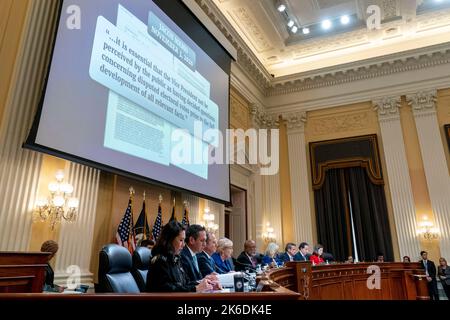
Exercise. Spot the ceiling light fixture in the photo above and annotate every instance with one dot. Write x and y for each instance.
(345, 19)
(291, 23)
(294, 29)
(326, 24)
(305, 30)
(281, 7)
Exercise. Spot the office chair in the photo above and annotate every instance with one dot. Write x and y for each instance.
(114, 271)
(141, 262)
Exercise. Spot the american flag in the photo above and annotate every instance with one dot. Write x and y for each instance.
(125, 234)
(173, 214)
(185, 221)
(158, 224)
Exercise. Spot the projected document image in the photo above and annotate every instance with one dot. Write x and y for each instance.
(154, 89)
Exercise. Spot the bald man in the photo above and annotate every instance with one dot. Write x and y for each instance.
(247, 259)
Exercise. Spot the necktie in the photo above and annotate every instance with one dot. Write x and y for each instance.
(194, 257)
(253, 261)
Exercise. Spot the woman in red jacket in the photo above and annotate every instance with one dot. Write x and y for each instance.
(316, 257)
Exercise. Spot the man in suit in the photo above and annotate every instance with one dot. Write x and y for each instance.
(303, 252)
(205, 262)
(195, 243)
(289, 253)
(430, 271)
(247, 259)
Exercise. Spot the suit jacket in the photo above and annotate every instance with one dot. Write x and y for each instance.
(205, 263)
(431, 268)
(285, 257)
(222, 266)
(188, 265)
(298, 257)
(244, 262)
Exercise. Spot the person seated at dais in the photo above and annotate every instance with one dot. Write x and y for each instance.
(165, 273)
(303, 252)
(247, 260)
(222, 257)
(270, 258)
(316, 257)
(52, 247)
(289, 253)
(205, 261)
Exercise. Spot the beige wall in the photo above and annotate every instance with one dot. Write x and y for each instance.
(285, 188)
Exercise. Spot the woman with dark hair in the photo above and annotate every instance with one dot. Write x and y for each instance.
(52, 247)
(166, 273)
(316, 257)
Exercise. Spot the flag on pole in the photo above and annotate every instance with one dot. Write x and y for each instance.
(173, 212)
(185, 221)
(125, 234)
(158, 222)
(141, 228)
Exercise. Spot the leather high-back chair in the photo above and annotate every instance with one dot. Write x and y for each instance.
(141, 262)
(114, 272)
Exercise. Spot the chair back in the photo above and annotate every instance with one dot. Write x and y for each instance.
(114, 272)
(141, 263)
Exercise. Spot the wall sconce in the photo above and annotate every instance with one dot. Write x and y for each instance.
(209, 223)
(269, 235)
(426, 229)
(59, 205)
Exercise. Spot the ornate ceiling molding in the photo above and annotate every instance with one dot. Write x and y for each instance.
(423, 103)
(388, 108)
(246, 59)
(295, 121)
(364, 70)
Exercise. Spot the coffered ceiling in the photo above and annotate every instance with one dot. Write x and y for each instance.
(405, 25)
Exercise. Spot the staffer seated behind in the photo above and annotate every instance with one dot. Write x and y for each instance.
(316, 257)
(247, 260)
(380, 257)
(205, 261)
(303, 252)
(270, 258)
(289, 254)
(195, 243)
(406, 259)
(148, 243)
(52, 247)
(349, 260)
(166, 273)
(222, 257)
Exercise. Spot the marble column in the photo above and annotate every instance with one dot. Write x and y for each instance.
(75, 239)
(298, 167)
(435, 164)
(19, 168)
(398, 175)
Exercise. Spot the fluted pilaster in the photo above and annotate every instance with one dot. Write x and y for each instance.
(19, 168)
(75, 239)
(398, 174)
(436, 171)
(300, 193)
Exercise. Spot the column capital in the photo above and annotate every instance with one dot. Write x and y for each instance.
(261, 118)
(388, 108)
(295, 122)
(423, 102)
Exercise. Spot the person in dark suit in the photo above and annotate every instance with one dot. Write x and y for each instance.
(430, 271)
(247, 260)
(222, 257)
(166, 273)
(195, 243)
(289, 253)
(303, 252)
(52, 247)
(205, 261)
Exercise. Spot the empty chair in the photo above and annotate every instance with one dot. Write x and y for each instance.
(114, 272)
(141, 262)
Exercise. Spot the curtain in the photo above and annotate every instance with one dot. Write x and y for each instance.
(370, 215)
(332, 226)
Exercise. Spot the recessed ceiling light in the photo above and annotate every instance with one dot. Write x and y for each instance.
(281, 7)
(294, 29)
(326, 24)
(345, 19)
(305, 30)
(290, 23)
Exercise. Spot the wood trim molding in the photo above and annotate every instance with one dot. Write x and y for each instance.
(447, 134)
